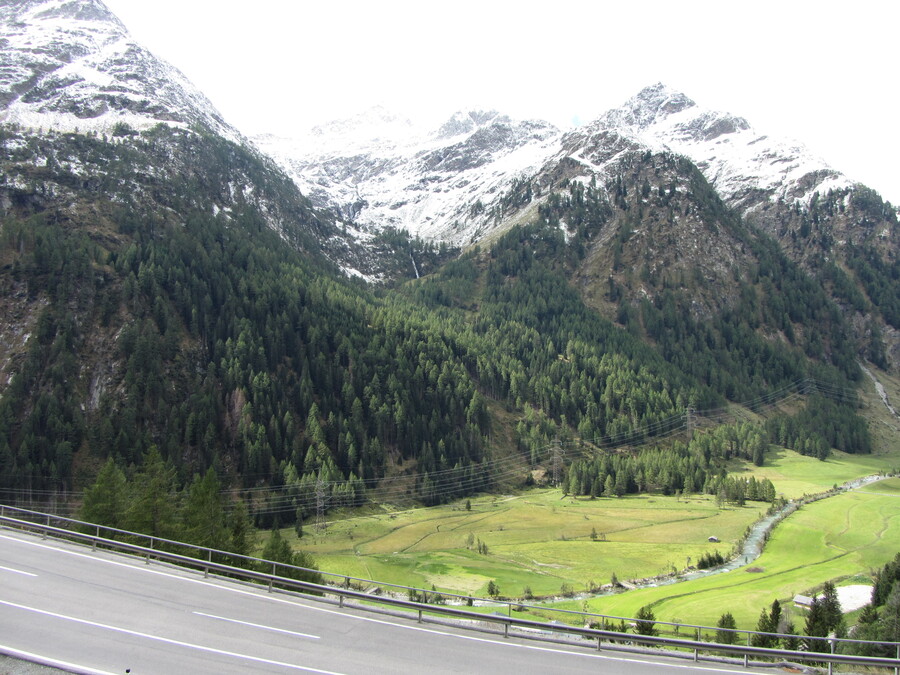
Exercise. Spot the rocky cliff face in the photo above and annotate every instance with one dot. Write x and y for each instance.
(777, 185)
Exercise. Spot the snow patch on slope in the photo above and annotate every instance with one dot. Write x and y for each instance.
(737, 160)
(380, 170)
(70, 65)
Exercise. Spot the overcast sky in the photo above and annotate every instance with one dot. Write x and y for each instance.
(799, 69)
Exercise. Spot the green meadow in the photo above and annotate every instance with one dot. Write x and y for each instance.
(843, 537)
(795, 475)
(534, 540)
(540, 542)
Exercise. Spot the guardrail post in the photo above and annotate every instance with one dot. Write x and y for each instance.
(897, 669)
(506, 630)
(420, 616)
(341, 601)
(599, 643)
(746, 660)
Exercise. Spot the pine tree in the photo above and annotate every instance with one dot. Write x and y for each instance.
(726, 621)
(105, 501)
(832, 615)
(824, 617)
(278, 550)
(768, 623)
(153, 509)
(241, 530)
(609, 486)
(645, 621)
(204, 513)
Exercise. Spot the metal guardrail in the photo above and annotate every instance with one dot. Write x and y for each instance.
(605, 639)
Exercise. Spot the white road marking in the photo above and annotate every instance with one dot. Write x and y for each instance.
(158, 638)
(15, 571)
(50, 663)
(258, 625)
(271, 598)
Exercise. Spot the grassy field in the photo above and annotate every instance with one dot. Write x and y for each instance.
(539, 541)
(795, 475)
(535, 540)
(843, 537)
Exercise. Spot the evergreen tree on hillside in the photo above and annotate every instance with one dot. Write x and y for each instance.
(879, 622)
(824, 618)
(153, 507)
(277, 549)
(768, 623)
(645, 622)
(203, 515)
(723, 634)
(105, 501)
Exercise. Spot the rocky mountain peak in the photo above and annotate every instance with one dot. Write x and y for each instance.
(465, 122)
(71, 64)
(651, 105)
(73, 10)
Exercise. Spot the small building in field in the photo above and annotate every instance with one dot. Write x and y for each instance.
(803, 601)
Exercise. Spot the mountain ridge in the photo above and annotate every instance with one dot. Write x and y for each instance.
(371, 184)
(71, 65)
(167, 285)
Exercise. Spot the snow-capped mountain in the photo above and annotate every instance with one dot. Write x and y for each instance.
(381, 171)
(72, 65)
(76, 89)
(743, 165)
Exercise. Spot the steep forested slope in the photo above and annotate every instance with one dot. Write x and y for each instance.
(171, 289)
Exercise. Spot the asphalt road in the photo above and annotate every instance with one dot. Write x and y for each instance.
(100, 612)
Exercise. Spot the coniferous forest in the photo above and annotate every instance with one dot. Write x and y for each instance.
(144, 319)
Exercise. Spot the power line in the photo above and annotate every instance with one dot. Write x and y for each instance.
(459, 479)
